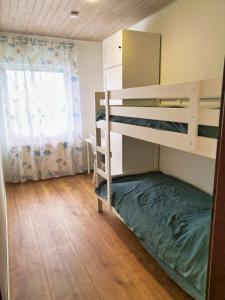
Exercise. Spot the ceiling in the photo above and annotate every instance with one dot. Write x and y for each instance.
(97, 19)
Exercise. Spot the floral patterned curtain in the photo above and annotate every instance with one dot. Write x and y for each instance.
(40, 108)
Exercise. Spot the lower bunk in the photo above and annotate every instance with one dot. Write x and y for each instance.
(171, 219)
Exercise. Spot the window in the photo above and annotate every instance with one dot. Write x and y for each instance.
(45, 96)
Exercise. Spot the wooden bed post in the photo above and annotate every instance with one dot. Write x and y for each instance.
(108, 150)
(193, 115)
(216, 266)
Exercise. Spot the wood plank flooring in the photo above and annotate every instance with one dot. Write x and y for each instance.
(62, 249)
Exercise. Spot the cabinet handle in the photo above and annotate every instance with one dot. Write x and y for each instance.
(120, 47)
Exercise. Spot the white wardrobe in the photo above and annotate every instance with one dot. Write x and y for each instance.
(131, 59)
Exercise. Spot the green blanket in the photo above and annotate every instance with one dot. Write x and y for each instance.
(171, 218)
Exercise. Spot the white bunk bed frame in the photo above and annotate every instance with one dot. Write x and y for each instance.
(199, 95)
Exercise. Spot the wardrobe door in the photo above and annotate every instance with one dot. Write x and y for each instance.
(113, 78)
(112, 50)
(113, 81)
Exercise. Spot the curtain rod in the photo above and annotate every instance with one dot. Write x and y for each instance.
(20, 37)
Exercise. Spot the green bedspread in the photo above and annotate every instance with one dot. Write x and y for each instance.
(171, 218)
(205, 131)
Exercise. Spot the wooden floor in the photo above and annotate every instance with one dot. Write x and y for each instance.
(61, 248)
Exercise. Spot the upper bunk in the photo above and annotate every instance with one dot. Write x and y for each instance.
(184, 116)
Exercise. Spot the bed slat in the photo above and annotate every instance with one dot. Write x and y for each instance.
(204, 146)
(170, 91)
(162, 137)
(209, 117)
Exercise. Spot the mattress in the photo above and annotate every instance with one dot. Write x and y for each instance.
(205, 131)
(171, 219)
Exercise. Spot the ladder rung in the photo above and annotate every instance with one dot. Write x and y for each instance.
(101, 124)
(102, 150)
(102, 173)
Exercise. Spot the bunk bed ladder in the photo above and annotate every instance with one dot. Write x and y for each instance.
(103, 150)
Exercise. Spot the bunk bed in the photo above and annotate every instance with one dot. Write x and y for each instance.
(170, 217)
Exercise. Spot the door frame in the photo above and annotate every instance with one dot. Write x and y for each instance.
(216, 262)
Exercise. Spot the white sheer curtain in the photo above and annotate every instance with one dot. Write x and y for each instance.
(40, 107)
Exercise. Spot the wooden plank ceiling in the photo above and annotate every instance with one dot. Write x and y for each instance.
(97, 19)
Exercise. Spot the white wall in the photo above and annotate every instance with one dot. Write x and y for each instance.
(194, 169)
(193, 39)
(193, 48)
(91, 80)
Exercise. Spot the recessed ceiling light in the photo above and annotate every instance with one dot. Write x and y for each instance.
(74, 14)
